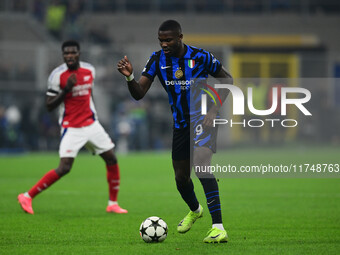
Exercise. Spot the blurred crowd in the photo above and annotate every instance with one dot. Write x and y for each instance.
(199, 6)
(60, 16)
(20, 72)
(20, 130)
(28, 127)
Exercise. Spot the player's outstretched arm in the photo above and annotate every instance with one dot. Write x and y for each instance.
(53, 102)
(137, 89)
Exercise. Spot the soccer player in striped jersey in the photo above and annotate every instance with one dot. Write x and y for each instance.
(176, 65)
(70, 86)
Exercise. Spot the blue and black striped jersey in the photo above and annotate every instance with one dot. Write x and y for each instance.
(177, 74)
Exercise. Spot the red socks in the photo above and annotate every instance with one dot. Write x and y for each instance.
(51, 177)
(113, 179)
(47, 180)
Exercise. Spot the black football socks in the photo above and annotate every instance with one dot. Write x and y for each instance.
(212, 194)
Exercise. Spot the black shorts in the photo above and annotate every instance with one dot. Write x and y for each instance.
(184, 141)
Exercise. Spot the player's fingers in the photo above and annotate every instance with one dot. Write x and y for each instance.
(126, 59)
(121, 66)
(73, 78)
(123, 62)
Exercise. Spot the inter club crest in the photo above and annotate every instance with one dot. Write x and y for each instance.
(179, 74)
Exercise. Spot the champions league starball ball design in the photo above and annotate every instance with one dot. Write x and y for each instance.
(153, 230)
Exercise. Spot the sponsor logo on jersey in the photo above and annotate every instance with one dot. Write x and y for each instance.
(181, 82)
(81, 90)
(87, 77)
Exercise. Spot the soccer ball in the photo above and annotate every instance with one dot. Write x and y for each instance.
(153, 230)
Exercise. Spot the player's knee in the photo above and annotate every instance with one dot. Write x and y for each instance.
(64, 169)
(109, 157)
(202, 156)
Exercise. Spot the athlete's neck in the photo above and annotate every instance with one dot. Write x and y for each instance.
(73, 68)
(181, 51)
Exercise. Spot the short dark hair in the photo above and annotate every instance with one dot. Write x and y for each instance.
(70, 43)
(170, 25)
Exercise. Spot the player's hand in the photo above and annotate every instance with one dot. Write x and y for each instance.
(71, 81)
(124, 66)
(209, 118)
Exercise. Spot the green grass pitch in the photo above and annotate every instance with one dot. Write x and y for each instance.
(262, 216)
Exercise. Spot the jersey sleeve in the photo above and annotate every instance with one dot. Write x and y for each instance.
(90, 67)
(53, 84)
(150, 68)
(212, 64)
(93, 71)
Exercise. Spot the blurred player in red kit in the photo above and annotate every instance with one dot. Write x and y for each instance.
(70, 86)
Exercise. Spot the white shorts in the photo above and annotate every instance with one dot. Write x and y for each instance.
(93, 137)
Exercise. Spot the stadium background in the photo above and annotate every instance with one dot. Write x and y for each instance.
(261, 39)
